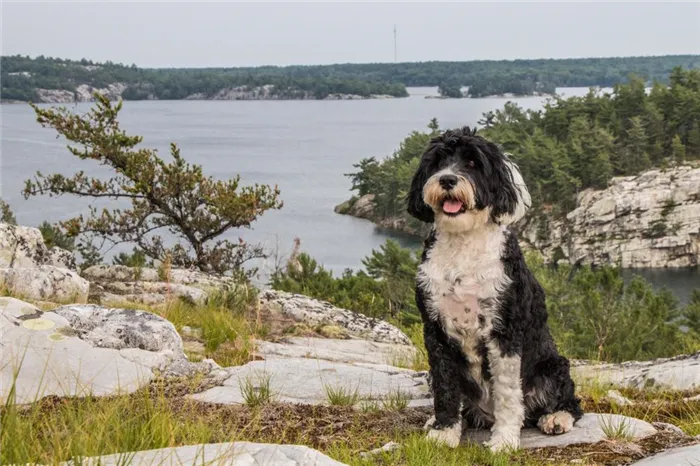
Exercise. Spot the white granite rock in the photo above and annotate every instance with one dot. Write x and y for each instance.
(649, 220)
(314, 312)
(46, 283)
(684, 456)
(116, 284)
(348, 351)
(301, 380)
(677, 373)
(589, 429)
(80, 350)
(223, 454)
(23, 247)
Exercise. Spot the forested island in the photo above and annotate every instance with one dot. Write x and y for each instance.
(43, 79)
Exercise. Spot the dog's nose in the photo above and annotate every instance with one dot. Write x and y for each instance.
(448, 181)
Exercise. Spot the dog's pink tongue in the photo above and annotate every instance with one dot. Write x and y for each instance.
(451, 206)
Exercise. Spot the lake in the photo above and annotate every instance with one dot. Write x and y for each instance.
(305, 147)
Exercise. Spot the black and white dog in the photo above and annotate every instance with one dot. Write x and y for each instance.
(493, 363)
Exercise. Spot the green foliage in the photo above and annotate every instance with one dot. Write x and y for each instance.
(452, 90)
(174, 195)
(691, 314)
(55, 237)
(594, 314)
(137, 258)
(385, 292)
(6, 214)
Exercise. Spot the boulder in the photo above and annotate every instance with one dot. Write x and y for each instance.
(81, 349)
(232, 454)
(648, 220)
(46, 283)
(23, 247)
(314, 312)
(589, 429)
(677, 373)
(31, 270)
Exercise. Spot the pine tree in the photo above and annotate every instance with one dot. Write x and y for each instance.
(677, 150)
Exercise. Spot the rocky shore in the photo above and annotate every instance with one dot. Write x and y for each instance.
(115, 91)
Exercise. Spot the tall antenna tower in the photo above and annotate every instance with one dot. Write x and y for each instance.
(394, 43)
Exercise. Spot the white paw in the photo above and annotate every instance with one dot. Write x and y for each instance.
(503, 441)
(556, 423)
(449, 436)
(429, 423)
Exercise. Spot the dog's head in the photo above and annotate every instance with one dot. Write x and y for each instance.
(464, 182)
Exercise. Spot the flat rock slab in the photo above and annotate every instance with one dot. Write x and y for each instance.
(223, 454)
(301, 380)
(80, 350)
(589, 429)
(348, 351)
(677, 373)
(685, 456)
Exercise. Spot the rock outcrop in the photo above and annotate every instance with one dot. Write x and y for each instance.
(232, 454)
(31, 270)
(82, 349)
(117, 284)
(363, 207)
(313, 312)
(649, 220)
(677, 373)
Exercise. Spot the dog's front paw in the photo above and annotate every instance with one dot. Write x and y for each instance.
(503, 441)
(449, 436)
(556, 423)
(429, 424)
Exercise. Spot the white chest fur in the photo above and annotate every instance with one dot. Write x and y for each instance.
(463, 277)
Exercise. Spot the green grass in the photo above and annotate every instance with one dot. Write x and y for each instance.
(257, 391)
(396, 400)
(616, 429)
(341, 396)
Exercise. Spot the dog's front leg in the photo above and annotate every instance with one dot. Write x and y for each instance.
(507, 392)
(446, 426)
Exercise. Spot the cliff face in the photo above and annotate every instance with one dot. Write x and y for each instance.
(649, 220)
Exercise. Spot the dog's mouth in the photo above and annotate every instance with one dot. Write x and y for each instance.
(453, 207)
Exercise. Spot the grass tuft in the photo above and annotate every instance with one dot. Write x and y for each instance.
(257, 391)
(341, 396)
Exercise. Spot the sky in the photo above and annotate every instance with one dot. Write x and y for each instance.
(199, 34)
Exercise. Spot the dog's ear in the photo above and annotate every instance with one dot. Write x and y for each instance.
(414, 199)
(512, 198)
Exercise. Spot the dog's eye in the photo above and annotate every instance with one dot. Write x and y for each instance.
(471, 164)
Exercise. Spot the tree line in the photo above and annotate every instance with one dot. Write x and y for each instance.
(22, 75)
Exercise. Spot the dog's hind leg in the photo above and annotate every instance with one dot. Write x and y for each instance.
(445, 375)
(550, 397)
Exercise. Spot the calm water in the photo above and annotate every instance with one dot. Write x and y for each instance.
(303, 146)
